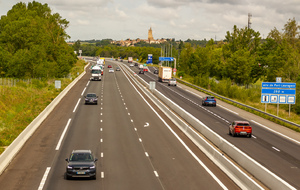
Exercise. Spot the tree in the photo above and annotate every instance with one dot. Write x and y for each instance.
(35, 40)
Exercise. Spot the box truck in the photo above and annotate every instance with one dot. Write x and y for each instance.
(164, 74)
(130, 59)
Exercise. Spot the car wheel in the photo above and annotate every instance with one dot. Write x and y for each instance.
(250, 135)
(229, 132)
(94, 177)
(168, 84)
(234, 134)
(68, 177)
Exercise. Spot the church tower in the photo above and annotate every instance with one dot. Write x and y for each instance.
(150, 37)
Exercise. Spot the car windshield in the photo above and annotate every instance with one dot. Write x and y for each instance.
(96, 71)
(81, 157)
(91, 95)
(210, 97)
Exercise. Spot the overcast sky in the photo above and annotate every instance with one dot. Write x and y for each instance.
(179, 19)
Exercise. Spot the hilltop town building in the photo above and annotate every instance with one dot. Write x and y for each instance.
(130, 42)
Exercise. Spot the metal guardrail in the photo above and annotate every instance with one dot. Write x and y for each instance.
(244, 105)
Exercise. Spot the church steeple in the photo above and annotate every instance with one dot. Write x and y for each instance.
(150, 36)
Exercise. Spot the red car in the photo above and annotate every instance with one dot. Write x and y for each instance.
(240, 128)
(145, 70)
(109, 66)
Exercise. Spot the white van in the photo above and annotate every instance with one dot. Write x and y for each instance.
(96, 73)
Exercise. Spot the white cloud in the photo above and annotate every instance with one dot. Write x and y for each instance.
(179, 19)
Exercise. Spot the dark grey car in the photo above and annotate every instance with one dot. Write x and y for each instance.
(81, 163)
(91, 98)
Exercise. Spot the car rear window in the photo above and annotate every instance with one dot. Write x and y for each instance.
(210, 97)
(243, 124)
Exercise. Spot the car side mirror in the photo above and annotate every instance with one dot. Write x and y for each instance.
(96, 159)
(85, 96)
(67, 159)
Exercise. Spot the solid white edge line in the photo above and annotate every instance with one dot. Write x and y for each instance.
(44, 178)
(76, 105)
(83, 91)
(62, 135)
(276, 132)
(180, 140)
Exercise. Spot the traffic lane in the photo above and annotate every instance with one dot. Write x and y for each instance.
(175, 166)
(83, 133)
(27, 168)
(268, 139)
(124, 164)
(115, 165)
(268, 156)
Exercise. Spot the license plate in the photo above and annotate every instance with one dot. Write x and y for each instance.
(80, 173)
(243, 133)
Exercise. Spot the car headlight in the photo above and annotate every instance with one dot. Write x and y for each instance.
(92, 167)
(69, 167)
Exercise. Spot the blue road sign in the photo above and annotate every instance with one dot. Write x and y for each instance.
(166, 58)
(278, 93)
(149, 58)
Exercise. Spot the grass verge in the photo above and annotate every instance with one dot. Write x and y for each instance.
(21, 103)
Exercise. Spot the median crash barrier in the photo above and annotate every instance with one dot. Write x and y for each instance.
(238, 176)
(7, 156)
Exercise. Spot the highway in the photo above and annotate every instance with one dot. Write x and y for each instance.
(281, 155)
(137, 146)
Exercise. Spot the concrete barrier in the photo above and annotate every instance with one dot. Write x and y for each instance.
(268, 178)
(10, 152)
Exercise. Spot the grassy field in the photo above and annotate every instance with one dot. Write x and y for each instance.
(22, 102)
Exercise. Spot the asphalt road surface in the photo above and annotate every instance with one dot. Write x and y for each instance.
(134, 142)
(268, 145)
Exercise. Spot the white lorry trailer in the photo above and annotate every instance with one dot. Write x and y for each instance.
(164, 74)
(130, 59)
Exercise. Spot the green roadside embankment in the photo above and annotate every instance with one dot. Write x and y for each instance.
(22, 101)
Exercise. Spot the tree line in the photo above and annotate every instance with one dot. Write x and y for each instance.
(242, 58)
(33, 43)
